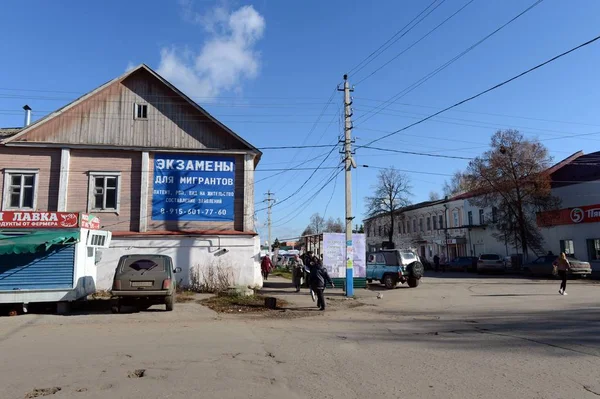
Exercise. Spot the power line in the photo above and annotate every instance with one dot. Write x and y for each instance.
(485, 91)
(296, 212)
(311, 131)
(413, 44)
(305, 182)
(374, 54)
(419, 82)
(480, 113)
(406, 171)
(424, 154)
(535, 130)
(331, 197)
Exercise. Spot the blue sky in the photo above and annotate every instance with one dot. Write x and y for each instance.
(268, 68)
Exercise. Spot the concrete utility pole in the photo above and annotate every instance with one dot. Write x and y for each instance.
(270, 200)
(348, 163)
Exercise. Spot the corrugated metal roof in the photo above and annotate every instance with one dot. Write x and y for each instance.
(6, 132)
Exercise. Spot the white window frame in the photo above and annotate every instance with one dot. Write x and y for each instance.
(92, 197)
(136, 106)
(455, 218)
(7, 180)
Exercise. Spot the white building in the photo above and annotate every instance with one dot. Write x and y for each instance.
(451, 227)
(575, 228)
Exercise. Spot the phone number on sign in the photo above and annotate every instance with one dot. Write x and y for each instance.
(207, 212)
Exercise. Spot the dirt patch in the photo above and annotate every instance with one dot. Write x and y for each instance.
(241, 304)
(39, 392)
(139, 373)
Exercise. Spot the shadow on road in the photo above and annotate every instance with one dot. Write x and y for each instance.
(568, 332)
(495, 295)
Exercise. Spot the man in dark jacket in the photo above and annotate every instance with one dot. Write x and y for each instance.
(318, 279)
(436, 262)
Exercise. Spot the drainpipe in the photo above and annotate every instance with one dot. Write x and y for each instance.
(446, 228)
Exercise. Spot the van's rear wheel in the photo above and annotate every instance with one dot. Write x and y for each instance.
(169, 302)
(390, 281)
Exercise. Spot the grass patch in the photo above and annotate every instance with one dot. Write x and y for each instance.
(282, 273)
(185, 296)
(239, 303)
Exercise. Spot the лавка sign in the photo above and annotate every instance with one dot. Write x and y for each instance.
(47, 220)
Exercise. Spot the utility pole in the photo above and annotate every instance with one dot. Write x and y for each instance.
(270, 201)
(348, 163)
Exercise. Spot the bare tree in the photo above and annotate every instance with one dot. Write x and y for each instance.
(334, 225)
(317, 223)
(434, 196)
(512, 177)
(391, 193)
(456, 185)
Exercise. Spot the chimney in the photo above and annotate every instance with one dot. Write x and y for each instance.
(27, 109)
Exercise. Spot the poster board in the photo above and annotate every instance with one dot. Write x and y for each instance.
(334, 254)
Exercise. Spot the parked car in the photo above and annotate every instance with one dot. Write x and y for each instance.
(542, 266)
(463, 264)
(490, 263)
(143, 281)
(391, 267)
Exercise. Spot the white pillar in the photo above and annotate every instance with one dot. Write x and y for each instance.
(144, 187)
(63, 185)
(249, 192)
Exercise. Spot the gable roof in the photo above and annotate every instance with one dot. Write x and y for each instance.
(6, 132)
(20, 135)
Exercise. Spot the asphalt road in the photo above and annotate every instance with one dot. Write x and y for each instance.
(454, 336)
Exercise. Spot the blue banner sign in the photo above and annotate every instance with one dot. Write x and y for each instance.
(193, 188)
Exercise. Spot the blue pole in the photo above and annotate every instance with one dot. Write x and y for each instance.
(349, 269)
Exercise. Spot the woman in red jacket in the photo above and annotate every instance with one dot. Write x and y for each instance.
(266, 266)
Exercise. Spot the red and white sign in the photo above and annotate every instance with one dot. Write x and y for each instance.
(47, 220)
(89, 221)
(582, 214)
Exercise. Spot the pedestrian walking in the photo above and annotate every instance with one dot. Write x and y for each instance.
(562, 266)
(436, 262)
(443, 262)
(266, 266)
(297, 272)
(319, 278)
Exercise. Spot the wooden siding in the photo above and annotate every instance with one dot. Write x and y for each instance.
(107, 118)
(237, 224)
(129, 164)
(46, 160)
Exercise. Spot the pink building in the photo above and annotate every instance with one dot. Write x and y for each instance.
(161, 173)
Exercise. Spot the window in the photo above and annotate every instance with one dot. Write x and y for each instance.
(414, 227)
(104, 191)
(407, 227)
(380, 232)
(494, 215)
(144, 265)
(455, 218)
(470, 216)
(434, 222)
(20, 189)
(567, 247)
(441, 221)
(428, 223)
(140, 111)
(481, 217)
(420, 224)
(593, 249)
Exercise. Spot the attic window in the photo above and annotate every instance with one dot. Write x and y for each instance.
(140, 111)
